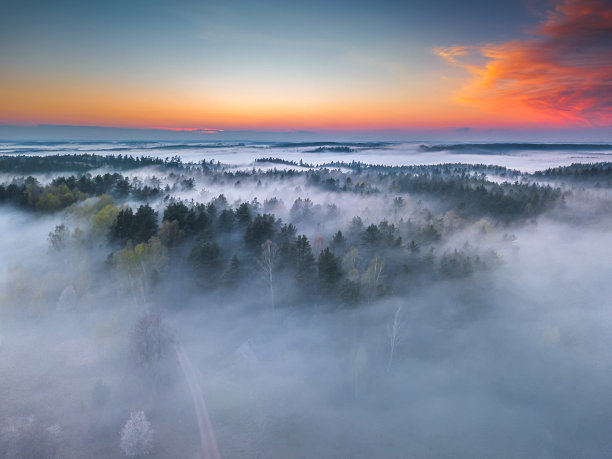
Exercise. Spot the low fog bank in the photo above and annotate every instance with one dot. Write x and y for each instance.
(435, 326)
(526, 157)
(511, 363)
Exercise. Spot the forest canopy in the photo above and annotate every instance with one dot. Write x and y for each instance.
(338, 309)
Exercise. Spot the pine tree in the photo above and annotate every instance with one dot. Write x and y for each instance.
(121, 229)
(330, 272)
(243, 214)
(145, 224)
(233, 274)
(305, 267)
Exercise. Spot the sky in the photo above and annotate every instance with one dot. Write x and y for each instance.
(323, 66)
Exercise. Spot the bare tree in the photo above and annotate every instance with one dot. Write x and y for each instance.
(267, 262)
(394, 330)
(149, 341)
(59, 238)
(371, 280)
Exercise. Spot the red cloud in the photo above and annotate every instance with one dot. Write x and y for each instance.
(198, 130)
(562, 75)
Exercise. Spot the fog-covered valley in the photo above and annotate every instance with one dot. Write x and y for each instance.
(286, 303)
(526, 157)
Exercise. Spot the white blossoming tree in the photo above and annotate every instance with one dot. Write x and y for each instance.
(136, 435)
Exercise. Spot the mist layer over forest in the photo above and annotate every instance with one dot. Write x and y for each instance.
(301, 301)
(526, 157)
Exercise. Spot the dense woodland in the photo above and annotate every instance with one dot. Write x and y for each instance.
(269, 259)
(229, 243)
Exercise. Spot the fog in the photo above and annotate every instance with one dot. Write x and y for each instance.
(465, 312)
(527, 157)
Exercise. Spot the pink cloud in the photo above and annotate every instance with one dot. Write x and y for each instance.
(563, 74)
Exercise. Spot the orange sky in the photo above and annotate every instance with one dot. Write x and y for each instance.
(558, 76)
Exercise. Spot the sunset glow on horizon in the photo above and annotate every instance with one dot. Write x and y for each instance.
(218, 66)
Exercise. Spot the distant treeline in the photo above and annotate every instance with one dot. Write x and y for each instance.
(65, 191)
(596, 171)
(506, 201)
(326, 145)
(452, 185)
(496, 147)
(447, 169)
(286, 162)
(342, 149)
(29, 164)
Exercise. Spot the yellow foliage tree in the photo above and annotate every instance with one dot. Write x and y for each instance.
(141, 265)
(103, 219)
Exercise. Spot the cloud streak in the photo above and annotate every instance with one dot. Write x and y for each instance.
(189, 129)
(561, 76)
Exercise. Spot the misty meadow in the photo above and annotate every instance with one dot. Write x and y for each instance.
(305, 303)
